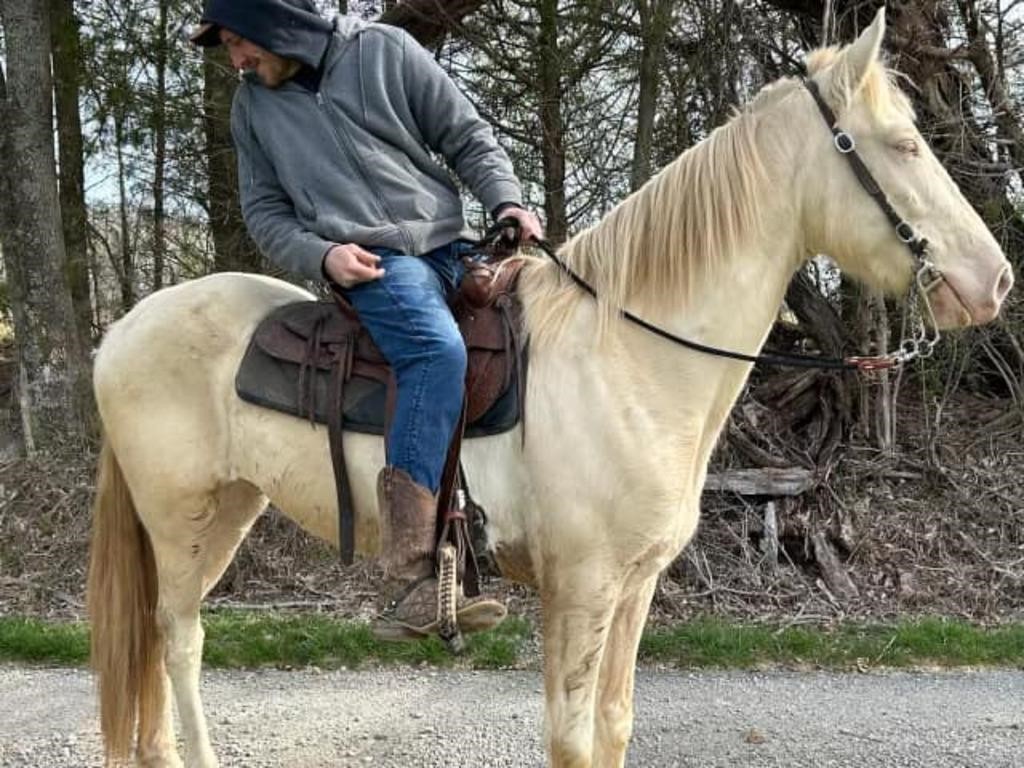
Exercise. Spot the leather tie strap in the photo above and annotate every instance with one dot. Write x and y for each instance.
(346, 510)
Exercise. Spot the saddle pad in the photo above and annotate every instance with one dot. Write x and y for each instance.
(272, 383)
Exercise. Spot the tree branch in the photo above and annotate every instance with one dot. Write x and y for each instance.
(429, 20)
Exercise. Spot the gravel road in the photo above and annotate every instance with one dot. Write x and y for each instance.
(399, 718)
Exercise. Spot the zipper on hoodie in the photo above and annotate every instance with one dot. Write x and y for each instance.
(342, 138)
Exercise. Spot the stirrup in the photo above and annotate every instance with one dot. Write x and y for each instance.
(448, 599)
(457, 615)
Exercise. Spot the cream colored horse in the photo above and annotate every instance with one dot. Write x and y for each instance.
(604, 493)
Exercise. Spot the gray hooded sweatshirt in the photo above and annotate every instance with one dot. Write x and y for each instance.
(353, 162)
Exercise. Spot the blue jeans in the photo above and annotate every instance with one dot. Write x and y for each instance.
(406, 313)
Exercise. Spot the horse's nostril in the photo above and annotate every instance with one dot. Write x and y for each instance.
(1005, 283)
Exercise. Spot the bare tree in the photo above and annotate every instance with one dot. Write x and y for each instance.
(67, 65)
(52, 369)
(427, 20)
(1004, 111)
(233, 248)
(160, 145)
(551, 125)
(655, 18)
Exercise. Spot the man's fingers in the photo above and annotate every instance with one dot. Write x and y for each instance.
(365, 271)
(530, 231)
(367, 258)
(529, 225)
(361, 273)
(530, 228)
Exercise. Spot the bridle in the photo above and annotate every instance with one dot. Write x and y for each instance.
(918, 337)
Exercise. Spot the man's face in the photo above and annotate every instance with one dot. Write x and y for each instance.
(271, 69)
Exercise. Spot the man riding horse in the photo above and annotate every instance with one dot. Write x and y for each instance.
(335, 125)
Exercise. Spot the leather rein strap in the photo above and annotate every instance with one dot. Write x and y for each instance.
(918, 340)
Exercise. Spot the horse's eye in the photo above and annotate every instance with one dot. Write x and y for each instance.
(908, 147)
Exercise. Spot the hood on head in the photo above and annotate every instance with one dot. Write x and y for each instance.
(291, 29)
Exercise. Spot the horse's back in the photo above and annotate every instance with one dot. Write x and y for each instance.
(164, 373)
(227, 302)
(208, 315)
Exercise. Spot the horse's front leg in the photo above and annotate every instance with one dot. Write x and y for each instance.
(614, 712)
(156, 747)
(577, 611)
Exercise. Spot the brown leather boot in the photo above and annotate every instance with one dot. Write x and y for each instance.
(408, 513)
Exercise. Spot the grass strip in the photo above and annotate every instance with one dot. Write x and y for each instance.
(43, 641)
(918, 642)
(246, 639)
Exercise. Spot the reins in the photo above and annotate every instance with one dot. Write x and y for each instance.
(918, 338)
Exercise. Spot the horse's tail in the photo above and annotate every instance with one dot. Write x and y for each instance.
(122, 597)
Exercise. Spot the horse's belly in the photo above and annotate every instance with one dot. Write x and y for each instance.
(289, 460)
(497, 479)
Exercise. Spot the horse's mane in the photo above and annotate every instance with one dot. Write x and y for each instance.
(657, 246)
(653, 247)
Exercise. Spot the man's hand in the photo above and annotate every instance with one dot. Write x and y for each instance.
(529, 224)
(349, 265)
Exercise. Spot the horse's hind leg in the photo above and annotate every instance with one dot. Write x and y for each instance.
(577, 614)
(238, 505)
(191, 555)
(614, 713)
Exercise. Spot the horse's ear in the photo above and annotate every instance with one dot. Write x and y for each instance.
(856, 60)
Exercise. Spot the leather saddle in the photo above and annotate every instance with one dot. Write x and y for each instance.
(314, 360)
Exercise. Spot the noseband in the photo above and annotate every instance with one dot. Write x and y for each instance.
(919, 339)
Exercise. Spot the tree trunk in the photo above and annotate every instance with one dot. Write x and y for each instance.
(52, 369)
(160, 148)
(6, 211)
(125, 268)
(871, 336)
(233, 250)
(654, 23)
(552, 129)
(66, 66)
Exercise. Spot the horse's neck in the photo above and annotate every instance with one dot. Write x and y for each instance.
(668, 404)
(693, 392)
(660, 404)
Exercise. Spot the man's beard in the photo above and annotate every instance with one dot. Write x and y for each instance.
(273, 75)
